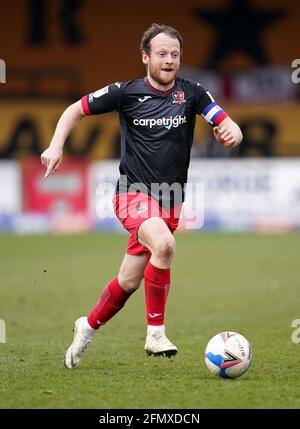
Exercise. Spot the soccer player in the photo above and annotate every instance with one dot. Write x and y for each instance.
(157, 119)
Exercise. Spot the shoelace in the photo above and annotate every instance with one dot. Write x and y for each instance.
(162, 338)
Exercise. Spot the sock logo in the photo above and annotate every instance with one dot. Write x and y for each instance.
(152, 315)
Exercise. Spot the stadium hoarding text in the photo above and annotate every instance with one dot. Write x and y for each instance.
(248, 194)
(227, 195)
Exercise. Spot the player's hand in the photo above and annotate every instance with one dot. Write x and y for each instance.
(229, 137)
(51, 158)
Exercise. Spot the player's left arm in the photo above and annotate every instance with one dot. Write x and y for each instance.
(228, 133)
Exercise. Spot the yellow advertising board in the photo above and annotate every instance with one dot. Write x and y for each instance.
(26, 128)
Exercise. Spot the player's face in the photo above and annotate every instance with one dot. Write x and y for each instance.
(164, 59)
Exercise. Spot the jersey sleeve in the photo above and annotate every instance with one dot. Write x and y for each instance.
(106, 99)
(207, 107)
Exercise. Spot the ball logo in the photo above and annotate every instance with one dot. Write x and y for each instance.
(240, 347)
(229, 360)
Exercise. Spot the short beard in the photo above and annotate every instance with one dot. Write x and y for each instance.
(155, 76)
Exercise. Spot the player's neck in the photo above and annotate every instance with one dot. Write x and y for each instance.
(158, 85)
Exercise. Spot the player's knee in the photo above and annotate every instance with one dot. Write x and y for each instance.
(165, 249)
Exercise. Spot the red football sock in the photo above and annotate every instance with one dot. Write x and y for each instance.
(157, 284)
(111, 301)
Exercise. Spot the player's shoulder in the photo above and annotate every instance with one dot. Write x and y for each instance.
(121, 88)
(189, 84)
(132, 85)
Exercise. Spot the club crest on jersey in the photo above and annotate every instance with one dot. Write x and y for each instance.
(178, 97)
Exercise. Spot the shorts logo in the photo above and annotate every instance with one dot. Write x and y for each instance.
(178, 97)
(141, 207)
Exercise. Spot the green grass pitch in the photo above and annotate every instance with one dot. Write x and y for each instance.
(246, 283)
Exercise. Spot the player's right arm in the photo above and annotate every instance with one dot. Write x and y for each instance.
(103, 100)
(51, 158)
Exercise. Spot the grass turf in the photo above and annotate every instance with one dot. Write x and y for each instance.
(245, 283)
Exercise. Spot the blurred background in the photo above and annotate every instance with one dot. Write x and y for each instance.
(55, 51)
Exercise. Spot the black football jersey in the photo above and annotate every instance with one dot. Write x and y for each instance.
(157, 129)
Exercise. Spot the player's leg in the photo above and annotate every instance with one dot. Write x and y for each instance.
(113, 298)
(131, 272)
(156, 236)
(116, 293)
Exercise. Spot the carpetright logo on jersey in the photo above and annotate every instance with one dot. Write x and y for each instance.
(168, 123)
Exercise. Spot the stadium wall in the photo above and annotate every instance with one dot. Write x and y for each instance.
(27, 128)
(225, 195)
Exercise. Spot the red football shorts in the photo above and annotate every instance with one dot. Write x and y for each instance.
(132, 209)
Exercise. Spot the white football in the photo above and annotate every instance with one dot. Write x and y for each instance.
(228, 355)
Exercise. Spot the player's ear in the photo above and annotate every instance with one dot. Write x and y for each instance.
(145, 58)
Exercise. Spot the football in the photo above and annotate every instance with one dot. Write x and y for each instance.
(228, 355)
